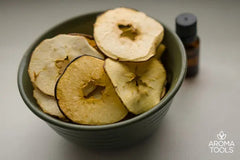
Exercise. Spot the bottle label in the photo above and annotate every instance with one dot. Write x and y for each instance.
(193, 57)
(192, 61)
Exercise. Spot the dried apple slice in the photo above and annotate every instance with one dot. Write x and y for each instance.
(139, 85)
(47, 103)
(51, 56)
(160, 50)
(127, 35)
(163, 92)
(89, 38)
(85, 94)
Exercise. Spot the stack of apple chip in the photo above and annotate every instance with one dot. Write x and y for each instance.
(98, 81)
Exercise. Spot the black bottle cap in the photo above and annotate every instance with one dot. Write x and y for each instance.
(186, 27)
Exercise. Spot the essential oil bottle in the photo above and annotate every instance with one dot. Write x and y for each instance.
(186, 29)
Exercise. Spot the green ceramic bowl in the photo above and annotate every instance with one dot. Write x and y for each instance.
(122, 133)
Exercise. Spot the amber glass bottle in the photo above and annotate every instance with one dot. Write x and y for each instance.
(186, 29)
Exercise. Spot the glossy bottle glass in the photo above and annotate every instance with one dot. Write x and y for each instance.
(186, 28)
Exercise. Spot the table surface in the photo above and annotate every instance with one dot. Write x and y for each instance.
(203, 107)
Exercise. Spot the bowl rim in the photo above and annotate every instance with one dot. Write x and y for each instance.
(62, 124)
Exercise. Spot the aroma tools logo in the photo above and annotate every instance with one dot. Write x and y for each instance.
(221, 145)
